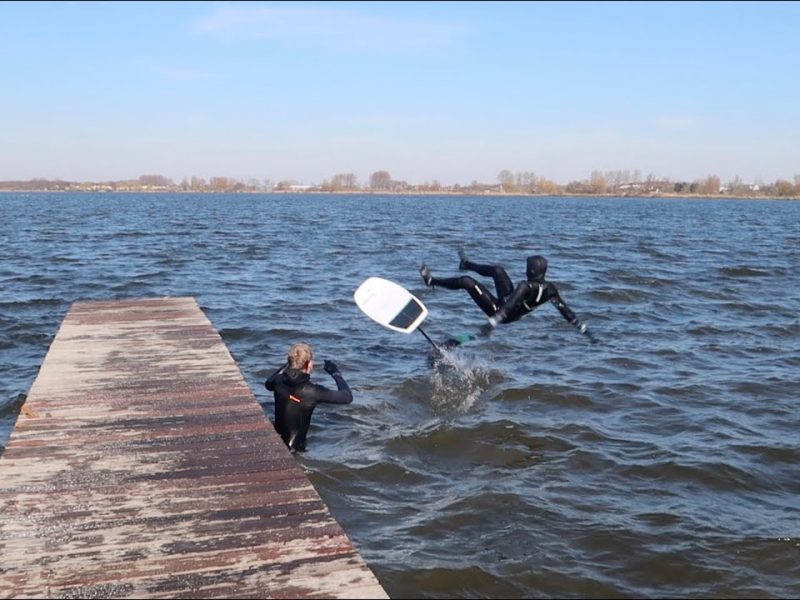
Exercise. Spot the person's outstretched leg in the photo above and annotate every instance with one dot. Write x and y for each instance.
(477, 291)
(502, 282)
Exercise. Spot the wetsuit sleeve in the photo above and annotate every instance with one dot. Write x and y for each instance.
(568, 314)
(270, 382)
(516, 297)
(562, 307)
(319, 393)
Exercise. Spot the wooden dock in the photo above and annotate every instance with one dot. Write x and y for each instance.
(142, 466)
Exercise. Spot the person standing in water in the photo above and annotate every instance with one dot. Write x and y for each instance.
(510, 304)
(296, 397)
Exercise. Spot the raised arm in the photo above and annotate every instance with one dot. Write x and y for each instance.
(341, 395)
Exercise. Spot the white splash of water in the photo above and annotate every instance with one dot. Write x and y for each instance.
(457, 380)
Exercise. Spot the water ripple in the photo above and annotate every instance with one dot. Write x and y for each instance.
(660, 462)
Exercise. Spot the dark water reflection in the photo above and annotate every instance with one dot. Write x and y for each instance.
(661, 462)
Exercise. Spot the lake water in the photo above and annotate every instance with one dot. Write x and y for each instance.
(663, 461)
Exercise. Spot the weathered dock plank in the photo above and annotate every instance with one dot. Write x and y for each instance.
(143, 467)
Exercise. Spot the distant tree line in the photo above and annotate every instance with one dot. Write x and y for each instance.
(615, 183)
(145, 183)
(626, 182)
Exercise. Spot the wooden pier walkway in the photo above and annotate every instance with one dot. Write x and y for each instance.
(142, 466)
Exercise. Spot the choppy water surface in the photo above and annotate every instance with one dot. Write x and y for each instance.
(660, 462)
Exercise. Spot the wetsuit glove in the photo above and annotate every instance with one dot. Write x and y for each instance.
(578, 325)
(583, 329)
(330, 368)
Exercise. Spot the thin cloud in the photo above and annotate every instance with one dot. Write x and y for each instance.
(329, 28)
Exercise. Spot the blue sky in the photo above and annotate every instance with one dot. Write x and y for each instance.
(450, 91)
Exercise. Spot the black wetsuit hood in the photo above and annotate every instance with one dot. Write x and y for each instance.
(293, 377)
(537, 267)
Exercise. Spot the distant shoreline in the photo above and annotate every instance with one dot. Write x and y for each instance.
(495, 194)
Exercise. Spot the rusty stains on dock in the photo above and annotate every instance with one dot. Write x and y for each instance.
(144, 467)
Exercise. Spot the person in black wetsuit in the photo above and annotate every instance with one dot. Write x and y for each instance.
(296, 397)
(510, 304)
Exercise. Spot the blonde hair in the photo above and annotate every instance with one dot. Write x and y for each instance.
(299, 356)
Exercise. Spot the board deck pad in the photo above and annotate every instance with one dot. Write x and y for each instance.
(390, 304)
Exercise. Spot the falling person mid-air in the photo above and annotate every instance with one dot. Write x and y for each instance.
(510, 304)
